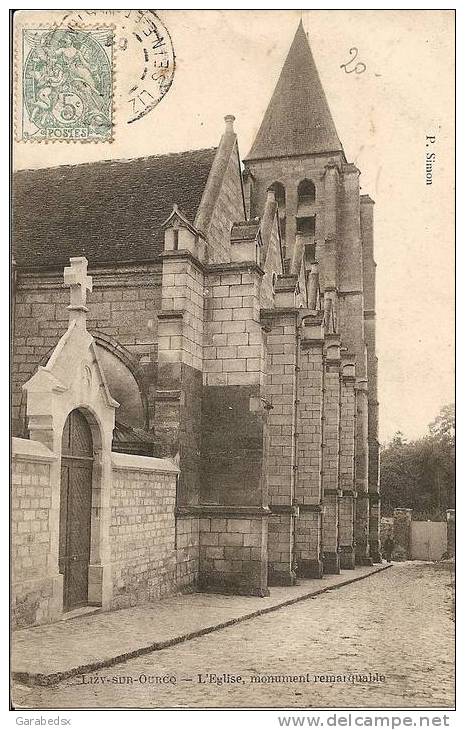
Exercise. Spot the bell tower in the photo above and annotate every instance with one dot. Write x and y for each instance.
(326, 225)
(298, 154)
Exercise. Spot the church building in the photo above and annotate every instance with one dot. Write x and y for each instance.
(232, 314)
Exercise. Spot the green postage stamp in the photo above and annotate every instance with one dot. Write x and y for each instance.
(67, 84)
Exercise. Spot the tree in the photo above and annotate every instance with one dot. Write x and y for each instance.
(443, 425)
(441, 455)
(421, 473)
(398, 439)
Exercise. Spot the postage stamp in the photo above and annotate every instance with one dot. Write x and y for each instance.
(67, 84)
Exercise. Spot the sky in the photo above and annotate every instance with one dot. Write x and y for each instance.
(228, 62)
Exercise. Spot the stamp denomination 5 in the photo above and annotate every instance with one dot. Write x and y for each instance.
(67, 84)
(80, 74)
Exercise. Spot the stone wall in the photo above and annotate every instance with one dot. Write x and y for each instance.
(150, 555)
(33, 587)
(233, 342)
(177, 411)
(142, 530)
(233, 554)
(310, 437)
(233, 433)
(123, 307)
(187, 552)
(182, 292)
(346, 465)
(331, 454)
(280, 392)
(386, 528)
(232, 447)
(234, 364)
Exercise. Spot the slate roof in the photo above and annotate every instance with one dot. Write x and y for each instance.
(298, 120)
(108, 211)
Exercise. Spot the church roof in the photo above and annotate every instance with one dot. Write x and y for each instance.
(107, 211)
(298, 120)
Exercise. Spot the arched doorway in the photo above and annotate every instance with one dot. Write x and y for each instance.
(75, 509)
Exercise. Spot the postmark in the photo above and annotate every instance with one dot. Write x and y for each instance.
(67, 84)
(145, 57)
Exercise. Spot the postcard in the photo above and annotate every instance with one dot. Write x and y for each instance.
(233, 452)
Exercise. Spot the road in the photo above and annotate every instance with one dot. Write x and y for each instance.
(386, 641)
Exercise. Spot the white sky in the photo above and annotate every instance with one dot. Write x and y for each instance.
(229, 62)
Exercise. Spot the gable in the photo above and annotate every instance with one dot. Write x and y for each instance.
(228, 208)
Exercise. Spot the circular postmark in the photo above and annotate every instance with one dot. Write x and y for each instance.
(145, 57)
(67, 81)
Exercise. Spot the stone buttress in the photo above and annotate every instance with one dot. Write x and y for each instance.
(327, 237)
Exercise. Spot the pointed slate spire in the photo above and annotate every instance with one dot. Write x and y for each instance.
(298, 120)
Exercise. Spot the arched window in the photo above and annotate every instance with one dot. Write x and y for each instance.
(280, 195)
(306, 192)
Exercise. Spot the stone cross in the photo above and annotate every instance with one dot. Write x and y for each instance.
(75, 276)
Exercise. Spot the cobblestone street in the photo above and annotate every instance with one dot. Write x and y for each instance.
(397, 624)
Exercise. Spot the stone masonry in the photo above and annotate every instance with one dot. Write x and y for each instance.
(31, 500)
(233, 307)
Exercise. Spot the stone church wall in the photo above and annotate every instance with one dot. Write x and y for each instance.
(233, 553)
(123, 306)
(177, 406)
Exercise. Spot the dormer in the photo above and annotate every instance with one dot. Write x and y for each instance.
(181, 235)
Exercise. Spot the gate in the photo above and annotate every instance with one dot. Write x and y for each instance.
(75, 510)
(428, 540)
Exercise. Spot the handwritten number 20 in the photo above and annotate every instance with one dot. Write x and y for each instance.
(359, 67)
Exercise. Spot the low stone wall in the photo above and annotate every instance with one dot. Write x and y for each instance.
(233, 554)
(142, 529)
(150, 555)
(34, 589)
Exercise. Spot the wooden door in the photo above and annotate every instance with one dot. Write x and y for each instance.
(75, 509)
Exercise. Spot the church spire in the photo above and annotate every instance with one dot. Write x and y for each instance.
(298, 120)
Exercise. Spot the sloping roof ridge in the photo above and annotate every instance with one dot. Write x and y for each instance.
(117, 160)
